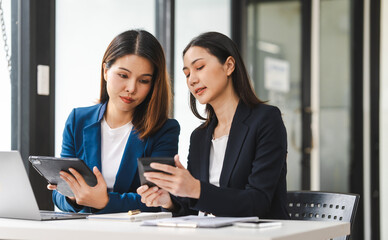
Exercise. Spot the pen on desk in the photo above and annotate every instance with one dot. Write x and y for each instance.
(133, 212)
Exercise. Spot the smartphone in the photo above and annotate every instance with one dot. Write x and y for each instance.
(259, 224)
(143, 165)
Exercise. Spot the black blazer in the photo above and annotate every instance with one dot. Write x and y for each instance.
(253, 177)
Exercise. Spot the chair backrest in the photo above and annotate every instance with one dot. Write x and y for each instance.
(322, 206)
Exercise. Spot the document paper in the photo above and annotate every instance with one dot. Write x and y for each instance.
(132, 218)
(198, 221)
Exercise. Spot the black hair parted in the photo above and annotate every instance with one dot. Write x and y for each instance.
(222, 47)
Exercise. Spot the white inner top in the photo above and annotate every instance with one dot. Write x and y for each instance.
(216, 160)
(113, 142)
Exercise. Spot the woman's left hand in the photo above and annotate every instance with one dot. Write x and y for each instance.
(180, 183)
(96, 197)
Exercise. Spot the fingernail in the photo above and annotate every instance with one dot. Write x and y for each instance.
(152, 164)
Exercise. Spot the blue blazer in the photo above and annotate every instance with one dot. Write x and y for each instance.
(82, 139)
(253, 176)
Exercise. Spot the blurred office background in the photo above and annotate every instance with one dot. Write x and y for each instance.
(320, 61)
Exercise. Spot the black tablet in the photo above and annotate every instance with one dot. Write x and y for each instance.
(49, 168)
(143, 165)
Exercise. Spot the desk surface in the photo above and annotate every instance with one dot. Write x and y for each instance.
(102, 229)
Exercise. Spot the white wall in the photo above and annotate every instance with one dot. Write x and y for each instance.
(384, 121)
(5, 89)
(191, 19)
(84, 30)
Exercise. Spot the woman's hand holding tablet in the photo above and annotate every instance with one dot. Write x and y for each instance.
(50, 168)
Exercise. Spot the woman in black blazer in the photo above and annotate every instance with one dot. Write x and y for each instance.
(237, 157)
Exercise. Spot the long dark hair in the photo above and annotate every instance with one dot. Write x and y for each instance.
(222, 47)
(152, 113)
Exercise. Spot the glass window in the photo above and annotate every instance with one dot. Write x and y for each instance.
(192, 19)
(5, 89)
(335, 101)
(274, 64)
(384, 122)
(83, 31)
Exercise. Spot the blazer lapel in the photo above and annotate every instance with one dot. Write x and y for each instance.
(237, 134)
(205, 150)
(92, 140)
(92, 145)
(128, 166)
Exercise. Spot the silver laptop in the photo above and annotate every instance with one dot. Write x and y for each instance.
(17, 199)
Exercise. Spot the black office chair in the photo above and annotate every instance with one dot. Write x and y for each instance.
(322, 206)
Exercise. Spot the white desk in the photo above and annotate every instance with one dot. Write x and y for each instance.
(116, 230)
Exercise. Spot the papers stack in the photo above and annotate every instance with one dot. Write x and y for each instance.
(198, 221)
(131, 218)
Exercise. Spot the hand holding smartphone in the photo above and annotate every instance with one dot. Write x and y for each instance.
(143, 165)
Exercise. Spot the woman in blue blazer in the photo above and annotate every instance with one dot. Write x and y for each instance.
(237, 157)
(131, 121)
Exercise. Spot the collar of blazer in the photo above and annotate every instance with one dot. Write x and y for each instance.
(92, 139)
(237, 134)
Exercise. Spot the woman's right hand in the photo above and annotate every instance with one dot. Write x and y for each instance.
(155, 197)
